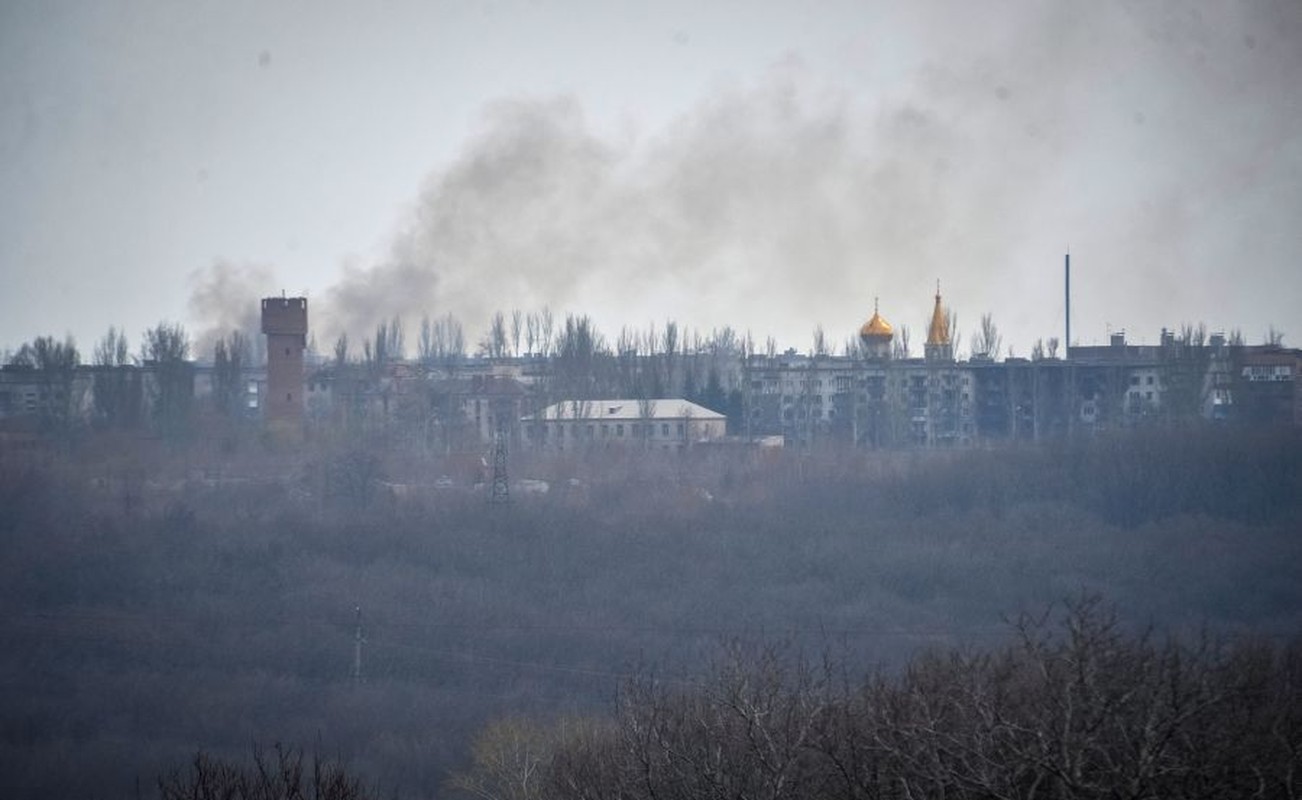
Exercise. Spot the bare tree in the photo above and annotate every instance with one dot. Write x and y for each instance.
(531, 332)
(495, 342)
(508, 761)
(118, 391)
(546, 327)
(54, 364)
(229, 357)
(278, 777)
(517, 318)
(166, 349)
(820, 342)
(988, 342)
(341, 351)
(901, 347)
(951, 325)
(425, 342)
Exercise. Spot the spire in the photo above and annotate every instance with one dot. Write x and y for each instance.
(938, 333)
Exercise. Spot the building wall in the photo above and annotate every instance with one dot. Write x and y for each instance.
(284, 322)
(618, 423)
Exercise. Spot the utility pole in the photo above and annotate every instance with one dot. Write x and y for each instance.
(358, 639)
(500, 494)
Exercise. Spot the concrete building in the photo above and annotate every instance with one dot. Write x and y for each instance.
(869, 398)
(661, 424)
(1266, 386)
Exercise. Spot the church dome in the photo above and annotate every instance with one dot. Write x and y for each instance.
(877, 327)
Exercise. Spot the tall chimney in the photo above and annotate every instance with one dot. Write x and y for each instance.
(1066, 346)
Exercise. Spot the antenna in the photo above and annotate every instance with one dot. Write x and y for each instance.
(1066, 353)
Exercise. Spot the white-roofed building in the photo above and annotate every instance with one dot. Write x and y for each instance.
(662, 424)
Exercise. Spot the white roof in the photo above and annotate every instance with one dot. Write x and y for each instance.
(621, 410)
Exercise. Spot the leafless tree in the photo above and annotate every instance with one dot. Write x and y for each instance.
(495, 342)
(425, 342)
(229, 358)
(280, 776)
(547, 324)
(901, 347)
(508, 759)
(988, 342)
(166, 348)
(531, 332)
(517, 327)
(54, 364)
(951, 325)
(341, 351)
(820, 342)
(118, 391)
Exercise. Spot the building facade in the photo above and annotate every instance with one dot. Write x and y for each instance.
(667, 424)
(284, 323)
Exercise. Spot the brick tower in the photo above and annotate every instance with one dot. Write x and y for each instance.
(284, 322)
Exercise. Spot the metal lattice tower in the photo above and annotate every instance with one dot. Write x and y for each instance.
(501, 489)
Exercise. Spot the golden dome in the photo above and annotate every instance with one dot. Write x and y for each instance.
(938, 333)
(877, 327)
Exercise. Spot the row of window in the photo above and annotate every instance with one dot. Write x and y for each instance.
(607, 430)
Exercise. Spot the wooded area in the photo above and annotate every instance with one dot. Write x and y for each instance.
(162, 601)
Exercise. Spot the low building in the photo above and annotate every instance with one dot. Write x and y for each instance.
(661, 424)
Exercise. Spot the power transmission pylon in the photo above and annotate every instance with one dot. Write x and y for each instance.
(501, 490)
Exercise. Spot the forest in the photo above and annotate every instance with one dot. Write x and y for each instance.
(720, 622)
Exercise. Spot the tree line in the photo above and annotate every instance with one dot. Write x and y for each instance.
(1079, 709)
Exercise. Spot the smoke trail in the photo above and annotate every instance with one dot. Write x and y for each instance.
(226, 297)
(1141, 133)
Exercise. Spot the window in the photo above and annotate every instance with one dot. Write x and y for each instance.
(680, 429)
(619, 430)
(664, 429)
(1150, 380)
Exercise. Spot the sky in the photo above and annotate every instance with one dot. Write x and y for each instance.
(770, 166)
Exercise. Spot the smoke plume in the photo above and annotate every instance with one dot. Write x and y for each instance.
(1142, 135)
(226, 297)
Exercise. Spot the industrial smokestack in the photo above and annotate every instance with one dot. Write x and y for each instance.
(1066, 345)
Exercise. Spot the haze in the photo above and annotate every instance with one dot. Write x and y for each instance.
(771, 167)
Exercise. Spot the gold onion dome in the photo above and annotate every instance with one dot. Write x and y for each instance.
(877, 327)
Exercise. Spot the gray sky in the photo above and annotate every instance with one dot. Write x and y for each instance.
(770, 166)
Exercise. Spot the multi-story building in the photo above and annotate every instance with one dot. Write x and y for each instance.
(868, 398)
